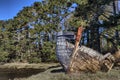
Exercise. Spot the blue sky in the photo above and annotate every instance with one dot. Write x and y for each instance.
(9, 8)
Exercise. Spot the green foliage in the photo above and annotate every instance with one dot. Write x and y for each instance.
(112, 38)
(48, 52)
(88, 14)
(34, 60)
(23, 43)
(4, 56)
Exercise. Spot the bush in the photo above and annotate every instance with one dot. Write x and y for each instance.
(34, 60)
(4, 56)
(48, 52)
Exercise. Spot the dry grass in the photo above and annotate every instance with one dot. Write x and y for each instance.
(27, 65)
(48, 75)
(112, 75)
(55, 72)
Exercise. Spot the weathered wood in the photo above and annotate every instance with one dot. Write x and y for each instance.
(76, 58)
(117, 58)
(84, 61)
(63, 50)
(107, 63)
(117, 54)
(89, 60)
(78, 38)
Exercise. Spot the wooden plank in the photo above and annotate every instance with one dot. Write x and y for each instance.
(78, 38)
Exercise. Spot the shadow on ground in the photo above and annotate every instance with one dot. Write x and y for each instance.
(11, 74)
(57, 70)
(20, 73)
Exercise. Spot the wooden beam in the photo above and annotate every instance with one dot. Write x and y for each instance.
(78, 38)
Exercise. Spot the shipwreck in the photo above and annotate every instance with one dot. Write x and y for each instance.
(79, 58)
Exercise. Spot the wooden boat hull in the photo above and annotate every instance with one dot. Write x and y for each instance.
(84, 59)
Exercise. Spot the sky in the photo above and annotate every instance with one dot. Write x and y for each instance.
(119, 5)
(10, 8)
